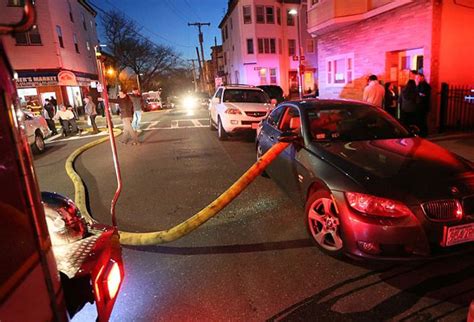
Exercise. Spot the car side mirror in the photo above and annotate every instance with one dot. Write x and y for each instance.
(289, 137)
(215, 100)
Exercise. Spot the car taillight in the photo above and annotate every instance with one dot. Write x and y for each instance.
(233, 111)
(376, 206)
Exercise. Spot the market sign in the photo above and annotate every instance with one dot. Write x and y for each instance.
(34, 81)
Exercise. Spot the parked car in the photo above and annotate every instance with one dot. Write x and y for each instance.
(152, 104)
(237, 108)
(370, 187)
(36, 130)
(274, 92)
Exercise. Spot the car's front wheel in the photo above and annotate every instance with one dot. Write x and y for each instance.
(38, 145)
(221, 133)
(323, 223)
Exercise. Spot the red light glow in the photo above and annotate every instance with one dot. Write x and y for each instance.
(377, 206)
(113, 280)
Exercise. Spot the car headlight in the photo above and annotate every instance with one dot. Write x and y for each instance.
(376, 206)
(232, 111)
(189, 101)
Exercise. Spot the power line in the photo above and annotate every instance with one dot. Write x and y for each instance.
(174, 10)
(192, 9)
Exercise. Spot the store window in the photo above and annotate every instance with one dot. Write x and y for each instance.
(290, 19)
(270, 15)
(340, 69)
(76, 44)
(260, 13)
(263, 76)
(273, 76)
(247, 14)
(250, 46)
(29, 38)
(291, 47)
(59, 32)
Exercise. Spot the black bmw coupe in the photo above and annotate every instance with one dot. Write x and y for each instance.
(370, 187)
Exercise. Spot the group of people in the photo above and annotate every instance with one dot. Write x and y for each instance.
(414, 100)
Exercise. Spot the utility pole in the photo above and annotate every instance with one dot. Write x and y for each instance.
(201, 74)
(194, 75)
(201, 40)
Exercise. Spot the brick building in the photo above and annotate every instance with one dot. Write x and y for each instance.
(56, 58)
(260, 44)
(388, 38)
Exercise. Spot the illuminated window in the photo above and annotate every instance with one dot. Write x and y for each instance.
(273, 76)
(247, 14)
(290, 19)
(270, 15)
(340, 69)
(88, 46)
(263, 76)
(250, 46)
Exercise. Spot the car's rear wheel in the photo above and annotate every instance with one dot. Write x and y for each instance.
(259, 155)
(38, 145)
(221, 133)
(323, 223)
(212, 127)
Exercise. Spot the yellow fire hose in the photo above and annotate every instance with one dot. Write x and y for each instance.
(187, 226)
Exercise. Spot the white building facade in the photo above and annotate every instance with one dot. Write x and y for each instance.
(260, 44)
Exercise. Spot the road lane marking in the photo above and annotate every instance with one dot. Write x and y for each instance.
(152, 124)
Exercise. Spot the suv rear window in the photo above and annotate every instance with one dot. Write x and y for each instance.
(245, 96)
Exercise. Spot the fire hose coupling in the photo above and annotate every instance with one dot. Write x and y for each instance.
(187, 226)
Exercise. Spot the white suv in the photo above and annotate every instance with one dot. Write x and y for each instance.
(236, 108)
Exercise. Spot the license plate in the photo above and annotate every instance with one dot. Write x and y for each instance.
(254, 126)
(458, 234)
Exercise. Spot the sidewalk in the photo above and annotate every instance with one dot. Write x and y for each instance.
(459, 143)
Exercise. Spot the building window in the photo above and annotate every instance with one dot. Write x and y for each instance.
(70, 11)
(290, 19)
(247, 14)
(88, 46)
(16, 3)
(76, 45)
(291, 47)
(260, 13)
(60, 36)
(31, 37)
(231, 24)
(92, 25)
(270, 14)
(340, 69)
(250, 46)
(84, 21)
(223, 34)
(279, 16)
(310, 46)
(266, 46)
(273, 76)
(263, 76)
(226, 32)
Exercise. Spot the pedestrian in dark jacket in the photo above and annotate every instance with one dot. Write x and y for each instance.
(390, 99)
(91, 111)
(424, 99)
(48, 114)
(409, 106)
(126, 114)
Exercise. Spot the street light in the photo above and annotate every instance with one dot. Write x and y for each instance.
(294, 12)
(138, 82)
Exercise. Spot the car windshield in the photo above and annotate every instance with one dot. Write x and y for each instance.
(245, 96)
(352, 123)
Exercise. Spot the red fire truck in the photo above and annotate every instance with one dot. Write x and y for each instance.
(52, 261)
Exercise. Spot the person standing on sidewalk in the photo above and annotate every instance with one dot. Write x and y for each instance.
(91, 111)
(374, 92)
(424, 98)
(126, 114)
(137, 101)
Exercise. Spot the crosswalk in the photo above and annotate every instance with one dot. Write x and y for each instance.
(145, 126)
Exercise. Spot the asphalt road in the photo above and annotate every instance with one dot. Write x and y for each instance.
(253, 261)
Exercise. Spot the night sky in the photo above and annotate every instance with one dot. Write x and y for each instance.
(165, 21)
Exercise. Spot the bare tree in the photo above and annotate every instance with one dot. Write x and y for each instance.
(150, 61)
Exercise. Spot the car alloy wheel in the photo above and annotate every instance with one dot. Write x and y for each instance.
(323, 222)
(38, 145)
(220, 130)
